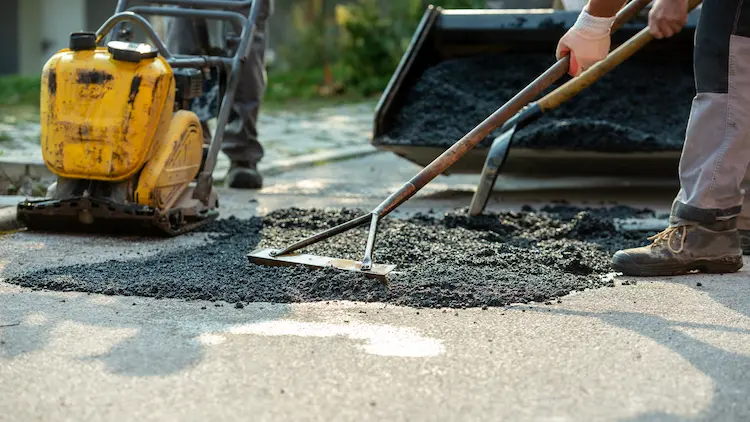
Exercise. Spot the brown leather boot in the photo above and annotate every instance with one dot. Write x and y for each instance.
(684, 248)
(745, 241)
(244, 175)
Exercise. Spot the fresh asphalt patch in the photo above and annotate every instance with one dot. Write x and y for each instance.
(449, 260)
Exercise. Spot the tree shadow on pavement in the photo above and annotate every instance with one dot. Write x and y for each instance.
(728, 370)
(152, 337)
(132, 336)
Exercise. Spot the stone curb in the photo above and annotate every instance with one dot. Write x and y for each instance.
(277, 167)
(13, 200)
(17, 169)
(38, 170)
(8, 221)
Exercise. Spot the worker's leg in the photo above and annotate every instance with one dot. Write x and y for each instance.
(183, 38)
(240, 142)
(241, 134)
(703, 233)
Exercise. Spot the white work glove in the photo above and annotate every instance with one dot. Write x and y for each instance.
(587, 42)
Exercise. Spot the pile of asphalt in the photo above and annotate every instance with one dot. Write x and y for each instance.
(444, 261)
(643, 105)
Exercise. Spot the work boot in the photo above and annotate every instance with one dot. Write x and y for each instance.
(745, 241)
(684, 248)
(243, 175)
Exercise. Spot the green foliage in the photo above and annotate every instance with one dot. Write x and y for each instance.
(19, 90)
(297, 84)
(310, 37)
(371, 45)
(361, 45)
(374, 40)
(460, 4)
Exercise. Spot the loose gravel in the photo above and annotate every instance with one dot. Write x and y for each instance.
(451, 260)
(641, 106)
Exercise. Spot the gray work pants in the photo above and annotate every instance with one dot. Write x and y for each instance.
(716, 155)
(240, 141)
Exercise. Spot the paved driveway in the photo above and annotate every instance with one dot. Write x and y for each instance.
(672, 349)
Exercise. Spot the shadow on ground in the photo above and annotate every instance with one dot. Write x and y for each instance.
(705, 346)
(152, 337)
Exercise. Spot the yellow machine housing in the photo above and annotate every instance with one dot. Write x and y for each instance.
(106, 116)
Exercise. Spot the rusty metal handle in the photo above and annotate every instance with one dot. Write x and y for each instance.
(574, 86)
(497, 119)
(455, 152)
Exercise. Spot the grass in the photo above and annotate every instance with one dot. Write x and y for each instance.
(19, 102)
(301, 106)
(19, 90)
(22, 113)
(294, 85)
(301, 90)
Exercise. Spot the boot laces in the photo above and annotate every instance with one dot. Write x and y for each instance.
(666, 237)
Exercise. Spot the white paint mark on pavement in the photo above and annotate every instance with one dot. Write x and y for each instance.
(36, 319)
(209, 339)
(381, 340)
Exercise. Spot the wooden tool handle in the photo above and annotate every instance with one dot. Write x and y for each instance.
(495, 120)
(574, 86)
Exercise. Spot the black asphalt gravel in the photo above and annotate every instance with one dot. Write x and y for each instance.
(643, 105)
(444, 261)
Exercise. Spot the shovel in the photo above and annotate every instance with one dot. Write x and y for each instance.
(289, 257)
(498, 153)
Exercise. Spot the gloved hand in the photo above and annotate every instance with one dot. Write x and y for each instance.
(587, 42)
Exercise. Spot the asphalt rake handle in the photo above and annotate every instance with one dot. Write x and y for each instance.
(476, 135)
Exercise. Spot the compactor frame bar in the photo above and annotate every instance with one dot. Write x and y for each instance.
(198, 9)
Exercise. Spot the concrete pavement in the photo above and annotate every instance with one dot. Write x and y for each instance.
(672, 349)
(650, 351)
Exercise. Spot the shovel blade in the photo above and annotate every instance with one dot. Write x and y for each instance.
(263, 257)
(496, 158)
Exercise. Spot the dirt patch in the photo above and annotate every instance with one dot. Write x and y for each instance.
(444, 261)
(641, 106)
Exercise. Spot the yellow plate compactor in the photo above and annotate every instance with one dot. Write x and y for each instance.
(117, 130)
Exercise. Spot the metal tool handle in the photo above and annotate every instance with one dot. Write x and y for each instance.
(460, 148)
(574, 86)
(497, 119)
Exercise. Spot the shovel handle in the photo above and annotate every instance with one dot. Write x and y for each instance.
(495, 120)
(469, 141)
(574, 86)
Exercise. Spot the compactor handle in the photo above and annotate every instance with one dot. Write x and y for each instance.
(122, 5)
